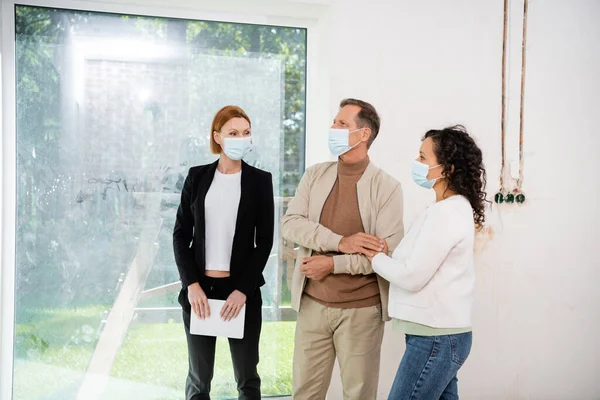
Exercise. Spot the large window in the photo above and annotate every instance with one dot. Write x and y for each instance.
(112, 111)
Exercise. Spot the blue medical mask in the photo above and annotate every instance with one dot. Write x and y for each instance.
(237, 148)
(420, 172)
(339, 141)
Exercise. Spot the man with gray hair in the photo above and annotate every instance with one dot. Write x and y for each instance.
(341, 302)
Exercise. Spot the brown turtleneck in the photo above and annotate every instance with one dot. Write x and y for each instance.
(341, 214)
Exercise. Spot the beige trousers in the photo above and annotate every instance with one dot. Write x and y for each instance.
(353, 335)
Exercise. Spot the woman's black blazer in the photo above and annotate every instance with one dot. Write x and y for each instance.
(253, 238)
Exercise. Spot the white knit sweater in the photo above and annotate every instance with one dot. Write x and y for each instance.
(431, 271)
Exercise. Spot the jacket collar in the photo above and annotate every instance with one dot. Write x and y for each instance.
(325, 185)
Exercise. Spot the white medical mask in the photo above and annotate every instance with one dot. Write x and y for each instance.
(339, 141)
(419, 174)
(237, 148)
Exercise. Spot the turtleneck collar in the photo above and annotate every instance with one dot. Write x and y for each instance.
(357, 168)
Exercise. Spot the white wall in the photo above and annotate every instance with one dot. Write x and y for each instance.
(432, 63)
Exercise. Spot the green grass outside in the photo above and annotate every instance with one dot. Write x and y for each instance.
(54, 348)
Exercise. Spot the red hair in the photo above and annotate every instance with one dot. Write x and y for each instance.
(221, 118)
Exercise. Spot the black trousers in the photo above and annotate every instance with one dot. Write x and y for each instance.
(244, 352)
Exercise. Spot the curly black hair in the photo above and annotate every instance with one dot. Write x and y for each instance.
(463, 166)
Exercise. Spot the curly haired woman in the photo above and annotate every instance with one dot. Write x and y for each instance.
(431, 272)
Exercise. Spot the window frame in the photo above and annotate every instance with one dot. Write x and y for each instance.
(313, 15)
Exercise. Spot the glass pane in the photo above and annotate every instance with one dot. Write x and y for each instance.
(112, 111)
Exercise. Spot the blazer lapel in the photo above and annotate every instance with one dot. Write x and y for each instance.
(246, 194)
(203, 186)
(363, 192)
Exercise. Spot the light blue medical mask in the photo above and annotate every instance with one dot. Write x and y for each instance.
(237, 148)
(339, 141)
(420, 172)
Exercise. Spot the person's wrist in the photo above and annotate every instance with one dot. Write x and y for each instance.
(342, 244)
(331, 265)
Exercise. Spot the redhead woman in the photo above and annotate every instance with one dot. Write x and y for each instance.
(222, 240)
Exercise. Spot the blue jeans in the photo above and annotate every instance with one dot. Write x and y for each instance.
(429, 366)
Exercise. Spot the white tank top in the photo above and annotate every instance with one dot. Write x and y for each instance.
(220, 211)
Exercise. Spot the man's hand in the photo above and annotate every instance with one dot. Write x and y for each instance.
(361, 243)
(198, 301)
(317, 267)
(233, 305)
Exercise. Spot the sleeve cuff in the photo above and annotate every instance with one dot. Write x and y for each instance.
(333, 242)
(340, 264)
(186, 283)
(376, 263)
(246, 291)
(246, 287)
